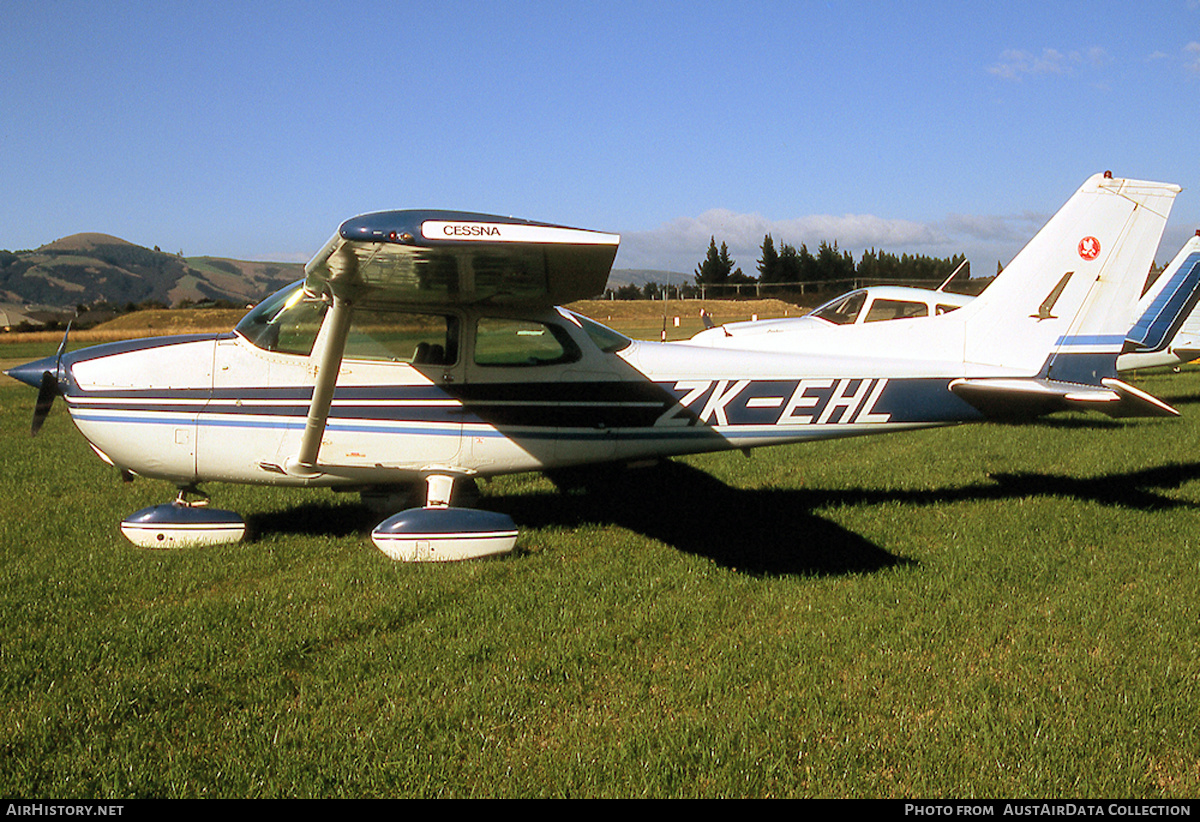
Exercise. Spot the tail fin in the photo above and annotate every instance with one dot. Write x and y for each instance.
(1063, 305)
(1054, 321)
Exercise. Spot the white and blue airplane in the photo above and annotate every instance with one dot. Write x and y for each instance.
(1167, 331)
(1165, 323)
(424, 350)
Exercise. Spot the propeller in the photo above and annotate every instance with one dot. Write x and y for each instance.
(48, 389)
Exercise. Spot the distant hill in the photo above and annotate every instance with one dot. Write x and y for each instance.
(640, 276)
(91, 269)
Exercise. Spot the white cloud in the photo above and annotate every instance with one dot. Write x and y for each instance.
(1097, 56)
(994, 229)
(1015, 64)
(1192, 55)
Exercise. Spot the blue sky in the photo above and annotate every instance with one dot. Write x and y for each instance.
(251, 130)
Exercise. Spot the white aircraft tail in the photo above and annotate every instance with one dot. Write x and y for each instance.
(1057, 316)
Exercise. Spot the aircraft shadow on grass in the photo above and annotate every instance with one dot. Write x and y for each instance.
(767, 531)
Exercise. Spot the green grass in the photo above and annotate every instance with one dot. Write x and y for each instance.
(986, 611)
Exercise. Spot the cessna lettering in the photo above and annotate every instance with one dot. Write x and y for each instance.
(470, 230)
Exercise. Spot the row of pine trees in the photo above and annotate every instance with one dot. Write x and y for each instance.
(789, 265)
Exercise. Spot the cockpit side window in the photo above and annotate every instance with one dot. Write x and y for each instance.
(288, 322)
(508, 342)
(882, 309)
(398, 336)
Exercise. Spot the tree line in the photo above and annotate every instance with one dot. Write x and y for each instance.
(788, 269)
(791, 265)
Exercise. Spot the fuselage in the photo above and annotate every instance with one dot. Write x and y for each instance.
(468, 391)
(422, 347)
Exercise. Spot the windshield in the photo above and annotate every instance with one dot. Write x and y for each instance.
(842, 310)
(287, 321)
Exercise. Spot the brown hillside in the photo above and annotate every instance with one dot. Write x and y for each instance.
(165, 321)
(86, 241)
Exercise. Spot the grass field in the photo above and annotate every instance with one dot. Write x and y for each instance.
(985, 611)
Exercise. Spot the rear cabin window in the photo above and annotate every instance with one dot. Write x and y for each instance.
(505, 342)
(602, 336)
(895, 310)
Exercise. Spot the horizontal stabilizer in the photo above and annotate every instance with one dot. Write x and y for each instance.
(1026, 398)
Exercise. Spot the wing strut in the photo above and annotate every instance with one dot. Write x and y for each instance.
(336, 326)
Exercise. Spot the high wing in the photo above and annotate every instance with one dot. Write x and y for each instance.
(455, 256)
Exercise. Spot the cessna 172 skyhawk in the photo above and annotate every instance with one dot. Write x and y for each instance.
(425, 349)
(1164, 325)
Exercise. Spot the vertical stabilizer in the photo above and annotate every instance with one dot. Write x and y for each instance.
(1062, 307)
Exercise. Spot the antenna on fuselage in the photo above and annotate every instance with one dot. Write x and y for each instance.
(946, 282)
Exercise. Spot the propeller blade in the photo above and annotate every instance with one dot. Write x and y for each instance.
(47, 391)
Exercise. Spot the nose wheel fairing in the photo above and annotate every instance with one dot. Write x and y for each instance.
(183, 523)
